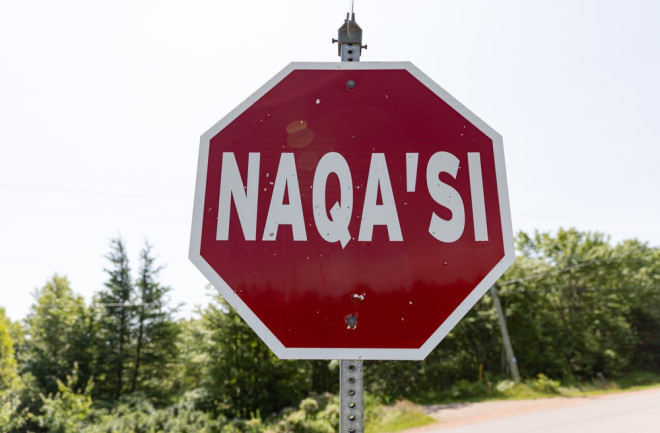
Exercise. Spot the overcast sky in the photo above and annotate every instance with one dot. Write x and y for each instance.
(102, 104)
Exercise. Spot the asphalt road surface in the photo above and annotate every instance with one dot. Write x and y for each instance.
(634, 412)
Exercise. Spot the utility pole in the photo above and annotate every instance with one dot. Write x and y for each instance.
(510, 357)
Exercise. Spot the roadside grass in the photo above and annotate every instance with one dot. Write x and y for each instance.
(320, 413)
(405, 414)
(539, 387)
(395, 417)
(630, 382)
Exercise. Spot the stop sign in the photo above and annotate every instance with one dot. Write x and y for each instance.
(351, 211)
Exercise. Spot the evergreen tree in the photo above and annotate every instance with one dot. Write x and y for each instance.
(156, 333)
(117, 324)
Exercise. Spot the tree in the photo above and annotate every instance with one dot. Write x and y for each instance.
(245, 377)
(8, 365)
(12, 416)
(117, 323)
(57, 336)
(575, 304)
(194, 347)
(156, 334)
(571, 300)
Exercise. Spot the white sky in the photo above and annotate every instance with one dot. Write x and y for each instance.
(102, 104)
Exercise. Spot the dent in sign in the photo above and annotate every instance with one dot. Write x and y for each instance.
(334, 227)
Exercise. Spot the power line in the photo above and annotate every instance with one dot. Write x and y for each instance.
(104, 304)
(587, 218)
(88, 213)
(92, 192)
(570, 268)
(599, 289)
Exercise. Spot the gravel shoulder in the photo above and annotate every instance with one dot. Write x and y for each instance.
(457, 414)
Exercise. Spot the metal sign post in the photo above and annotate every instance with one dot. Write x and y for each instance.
(351, 397)
(351, 373)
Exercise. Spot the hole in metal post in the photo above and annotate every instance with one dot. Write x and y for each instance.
(351, 417)
(351, 380)
(351, 405)
(351, 367)
(351, 392)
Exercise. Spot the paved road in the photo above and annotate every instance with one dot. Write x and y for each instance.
(629, 413)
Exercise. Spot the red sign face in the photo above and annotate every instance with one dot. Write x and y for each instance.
(351, 211)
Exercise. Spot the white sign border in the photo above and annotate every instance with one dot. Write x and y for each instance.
(350, 353)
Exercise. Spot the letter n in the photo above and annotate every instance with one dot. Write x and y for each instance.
(245, 198)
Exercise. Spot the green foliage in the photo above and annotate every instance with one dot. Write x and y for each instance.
(137, 346)
(544, 384)
(474, 341)
(578, 309)
(194, 357)
(466, 390)
(638, 379)
(58, 335)
(116, 324)
(393, 418)
(12, 415)
(8, 365)
(580, 306)
(155, 332)
(245, 377)
(541, 386)
(66, 411)
(135, 414)
(575, 306)
(315, 414)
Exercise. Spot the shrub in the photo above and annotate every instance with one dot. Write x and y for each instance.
(544, 384)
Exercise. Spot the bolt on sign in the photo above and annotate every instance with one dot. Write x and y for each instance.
(351, 211)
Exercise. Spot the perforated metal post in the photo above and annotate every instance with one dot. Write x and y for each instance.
(349, 37)
(351, 397)
(351, 378)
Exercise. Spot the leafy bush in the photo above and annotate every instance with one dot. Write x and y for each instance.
(541, 386)
(465, 390)
(11, 415)
(544, 384)
(67, 410)
(135, 414)
(316, 414)
(506, 387)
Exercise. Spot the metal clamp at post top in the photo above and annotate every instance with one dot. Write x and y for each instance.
(350, 40)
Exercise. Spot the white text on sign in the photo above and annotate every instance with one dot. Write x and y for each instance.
(334, 226)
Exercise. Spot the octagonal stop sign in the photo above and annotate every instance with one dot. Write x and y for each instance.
(351, 211)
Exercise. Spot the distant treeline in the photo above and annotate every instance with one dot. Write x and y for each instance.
(577, 308)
